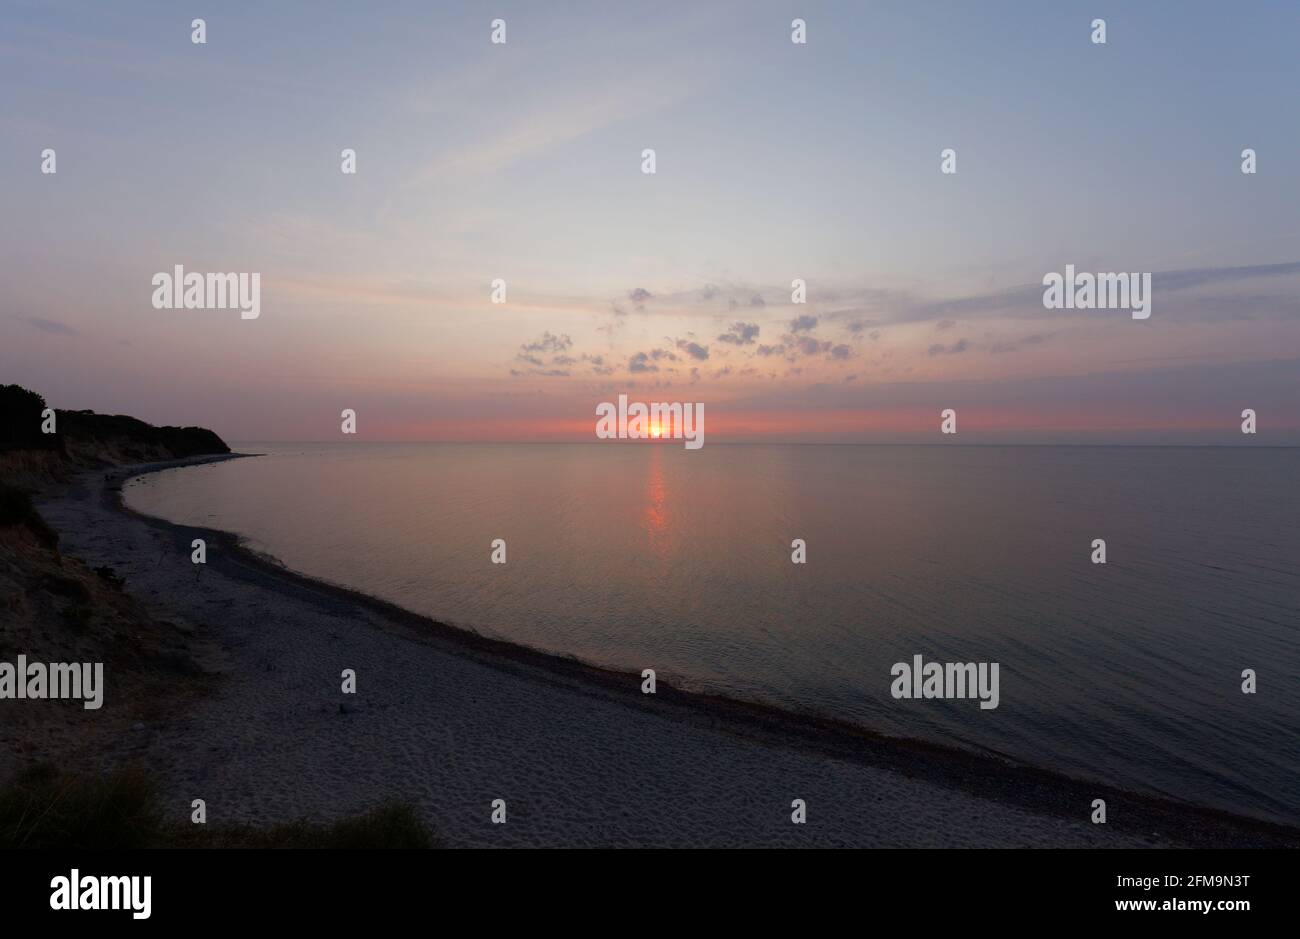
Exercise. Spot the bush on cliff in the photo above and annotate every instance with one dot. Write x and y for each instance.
(20, 420)
(87, 438)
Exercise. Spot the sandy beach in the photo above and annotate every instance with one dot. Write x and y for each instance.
(451, 722)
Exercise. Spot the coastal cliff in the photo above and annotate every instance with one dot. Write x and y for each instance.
(40, 445)
(56, 608)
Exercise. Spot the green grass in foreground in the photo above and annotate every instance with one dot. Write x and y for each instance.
(42, 809)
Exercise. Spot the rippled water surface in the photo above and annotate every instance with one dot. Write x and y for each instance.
(651, 556)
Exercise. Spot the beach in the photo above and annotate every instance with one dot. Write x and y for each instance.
(451, 722)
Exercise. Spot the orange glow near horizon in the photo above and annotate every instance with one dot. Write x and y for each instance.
(860, 425)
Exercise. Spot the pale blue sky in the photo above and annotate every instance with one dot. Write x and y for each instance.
(522, 161)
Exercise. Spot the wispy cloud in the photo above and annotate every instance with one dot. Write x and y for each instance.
(566, 117)
(53, 327)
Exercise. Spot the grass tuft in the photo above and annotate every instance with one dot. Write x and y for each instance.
(43, 809)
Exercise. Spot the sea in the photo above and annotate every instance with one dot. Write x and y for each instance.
(636, 555)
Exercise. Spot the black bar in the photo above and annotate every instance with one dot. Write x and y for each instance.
(222, 888)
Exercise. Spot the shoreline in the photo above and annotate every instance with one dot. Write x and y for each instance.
(949, 780)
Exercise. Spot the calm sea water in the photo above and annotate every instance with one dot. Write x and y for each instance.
(650, 556)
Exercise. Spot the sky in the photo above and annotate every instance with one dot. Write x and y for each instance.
(774, 161)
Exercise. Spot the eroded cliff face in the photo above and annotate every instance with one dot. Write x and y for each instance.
(55, 609)
(91, 439)
(41, 445)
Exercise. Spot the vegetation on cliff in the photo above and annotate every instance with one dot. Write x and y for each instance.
(37, 441)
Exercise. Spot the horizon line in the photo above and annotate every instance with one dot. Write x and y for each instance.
(670, 442)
